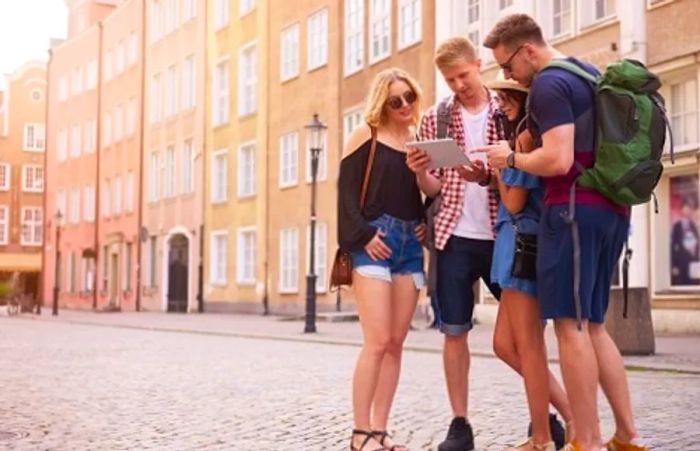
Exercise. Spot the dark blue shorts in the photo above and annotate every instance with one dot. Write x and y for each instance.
(602, 235)
(462, 262)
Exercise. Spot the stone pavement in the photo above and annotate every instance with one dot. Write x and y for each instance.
(88, 381)
(673, 352)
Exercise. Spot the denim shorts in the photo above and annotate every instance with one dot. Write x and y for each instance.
(406, 252)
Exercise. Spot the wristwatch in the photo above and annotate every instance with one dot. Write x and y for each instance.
(510, 160)
(487, 180)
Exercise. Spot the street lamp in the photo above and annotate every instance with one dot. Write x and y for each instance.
(57, 273)
(317, 136)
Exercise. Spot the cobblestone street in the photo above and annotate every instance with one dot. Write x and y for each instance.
(82, 387)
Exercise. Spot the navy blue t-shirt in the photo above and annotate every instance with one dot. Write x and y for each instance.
(559, 97)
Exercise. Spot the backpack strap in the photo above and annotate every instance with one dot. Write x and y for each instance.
(626, 276)
(573, 68)
(443, 119)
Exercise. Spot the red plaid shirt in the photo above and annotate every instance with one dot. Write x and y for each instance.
(452, 191)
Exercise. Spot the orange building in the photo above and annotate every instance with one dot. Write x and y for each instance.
(22, 143)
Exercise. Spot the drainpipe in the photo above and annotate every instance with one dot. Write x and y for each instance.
(47, 96)
(266, 263)
(98, 145)
(203, 159)
(139, 246)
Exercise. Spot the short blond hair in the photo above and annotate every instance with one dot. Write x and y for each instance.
(454, 49)
(379, 93)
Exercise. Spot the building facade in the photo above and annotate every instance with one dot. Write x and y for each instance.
(173, 157)
(22, 146)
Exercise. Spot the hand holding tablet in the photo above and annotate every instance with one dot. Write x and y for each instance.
(443, 152)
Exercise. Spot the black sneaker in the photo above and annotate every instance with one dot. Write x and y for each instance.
(556, 430)
(459, 437)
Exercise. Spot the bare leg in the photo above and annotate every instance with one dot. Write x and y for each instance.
(455, 356)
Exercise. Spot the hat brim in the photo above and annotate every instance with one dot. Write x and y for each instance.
(512, 85)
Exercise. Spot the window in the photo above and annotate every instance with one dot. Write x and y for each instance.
(117, 193)
(189, 83)
(61, 205)
(156, 20)
(88, 274)
(289, 260)
(152, 261)
(62, 151)
(129, 193)
(32, 225)
(74, 204)
(169, 178)
(289, 159)
(32, 179)
(63, 88)
(77, 81)
(171, 92)
(220, 14)
(34, 137)
(473, 36)
(247, 81)
(317, 40)
(118, 123)
(289, 65)
(246, 170)
(217, 264)
(4, 224)
(380, 28)
(106, 130)
(106, 200)
(684, 112)
(91, 75)
(131, 117)
(320, 255)
(351, 120)
(5, 174)
(245, 265)
(171, 15)
(322, 166)
(220, 102)
(156, 100)
(90, 138)
(246, 6)
(409, 22)
(354, 35)
(561, 16)
(187, 175)
(503, 4)
(683, 225)
(126, 283)
(219, 179)
(119, 57)
(153, 170)
(133, 51)
(189, 11)
(89, 203)
(107, 65)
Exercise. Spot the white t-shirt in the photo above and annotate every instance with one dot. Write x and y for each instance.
(475, 222)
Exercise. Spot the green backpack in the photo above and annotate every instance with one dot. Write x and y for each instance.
(631, 128)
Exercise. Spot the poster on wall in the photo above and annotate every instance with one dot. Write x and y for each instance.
(685, 222)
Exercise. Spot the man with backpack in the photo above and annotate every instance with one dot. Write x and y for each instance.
(582, 231)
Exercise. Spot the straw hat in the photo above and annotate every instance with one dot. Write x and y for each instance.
(502, 83)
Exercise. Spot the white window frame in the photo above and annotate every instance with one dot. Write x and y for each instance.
(289, 52)
(218, 259)
(89, 203)
(4, 224)
(317, 40)
(247, 79)
(155, 106)
(189, 10)
(117, 196)
(684, 114)
(119, 57)
(289, 260)
(153, 176)
(219, 179)
(246, 169)
(156, 20)
(320, 255)
(171, 91)
(221, 93)
(169, 173)
(132, 53)
(106, 129)
(91, 75)
(322, 173)
(90, 135)
(129, 193)
(75, 141)
(246, 250)
(36, 225)
(504, 4)
(567, 28)
(36, 174)
(221, 14)
(379, 30)
(351, 120)
(118, 131)
(415, 27)
(187, 167)
(37, 141)
(245, 7)
(63, 91)
(6, 177)
(188, 88)
(354, 36)
(107, 65)
(77, 81)
(106, 201)
(289, 160)
(131, 117)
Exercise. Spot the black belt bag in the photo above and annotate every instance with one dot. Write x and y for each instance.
(525, 257)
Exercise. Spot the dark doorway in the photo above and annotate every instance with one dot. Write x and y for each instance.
(178, 274)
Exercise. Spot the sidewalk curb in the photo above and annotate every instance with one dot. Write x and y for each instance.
(327, 341)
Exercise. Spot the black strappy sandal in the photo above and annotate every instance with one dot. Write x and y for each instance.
(368, 436)
(381, 437)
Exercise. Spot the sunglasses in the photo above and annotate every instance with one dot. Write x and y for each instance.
(396, 102)
(508, 65)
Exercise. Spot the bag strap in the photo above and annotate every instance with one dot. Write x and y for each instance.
(443, 119)
(573, 68)
(368, 168)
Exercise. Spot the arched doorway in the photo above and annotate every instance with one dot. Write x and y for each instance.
(178, 273)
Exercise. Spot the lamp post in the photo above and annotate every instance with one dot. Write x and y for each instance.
(317, 134)
(57, 272)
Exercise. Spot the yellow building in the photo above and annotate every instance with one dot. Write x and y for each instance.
(235, 212)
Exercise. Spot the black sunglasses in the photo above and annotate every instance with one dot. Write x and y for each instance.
(508, 65)
(396, 102)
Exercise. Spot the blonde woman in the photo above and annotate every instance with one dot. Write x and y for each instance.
(384, 239)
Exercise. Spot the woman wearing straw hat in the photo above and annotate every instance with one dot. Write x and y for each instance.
(519, 333)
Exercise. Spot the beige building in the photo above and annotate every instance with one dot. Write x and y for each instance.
(173, 157)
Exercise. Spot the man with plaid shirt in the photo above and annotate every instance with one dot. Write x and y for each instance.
(463, 233)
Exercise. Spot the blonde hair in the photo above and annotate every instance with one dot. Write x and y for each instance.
(379, 93)
(454, 49)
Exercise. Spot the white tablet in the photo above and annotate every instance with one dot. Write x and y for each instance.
(444, 153)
